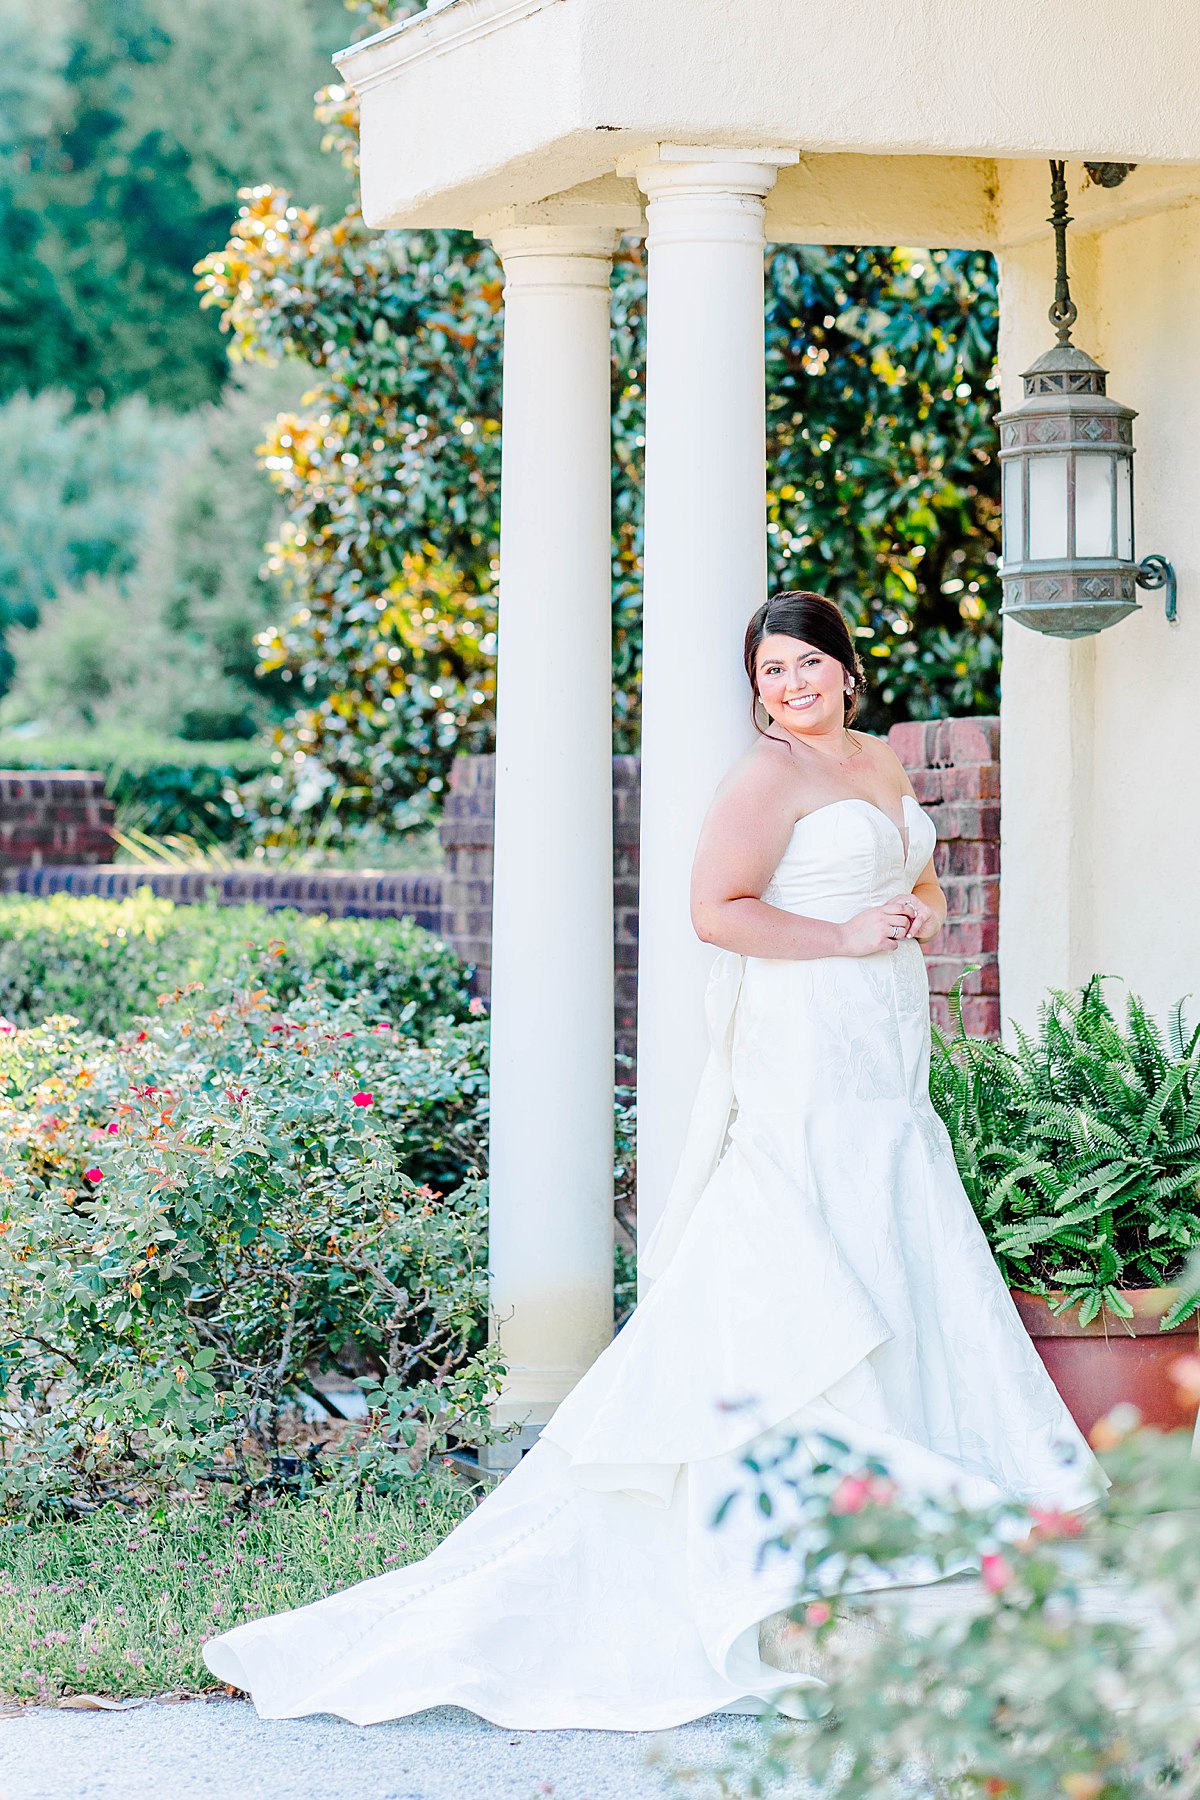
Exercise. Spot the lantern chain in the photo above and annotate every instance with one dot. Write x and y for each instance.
(1063, 312)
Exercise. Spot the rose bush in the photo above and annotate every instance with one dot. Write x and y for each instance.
(200, 1217)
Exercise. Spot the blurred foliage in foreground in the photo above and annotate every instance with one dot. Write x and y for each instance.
(1071, 1669)
(883, 489)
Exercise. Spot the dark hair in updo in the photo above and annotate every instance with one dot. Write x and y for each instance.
(814, 620)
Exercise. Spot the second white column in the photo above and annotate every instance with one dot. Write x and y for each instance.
(705, 572)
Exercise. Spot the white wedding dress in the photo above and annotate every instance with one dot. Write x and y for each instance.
(818, 1258)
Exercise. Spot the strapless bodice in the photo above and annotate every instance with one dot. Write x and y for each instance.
(848, 855)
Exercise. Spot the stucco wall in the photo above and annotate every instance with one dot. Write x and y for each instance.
(1100, 837)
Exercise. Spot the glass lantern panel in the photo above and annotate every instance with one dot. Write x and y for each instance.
(1014, 510)
(1093, 505)
(1047, 508)
(1124, 475)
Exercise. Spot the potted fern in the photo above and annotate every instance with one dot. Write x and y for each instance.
(1080, 1151)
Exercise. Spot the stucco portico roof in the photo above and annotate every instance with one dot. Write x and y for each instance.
(476, 105)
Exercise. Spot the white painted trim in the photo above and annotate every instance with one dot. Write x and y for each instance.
(443, 27)
(633, 161)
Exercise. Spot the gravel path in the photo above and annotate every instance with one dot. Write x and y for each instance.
(222, 1750)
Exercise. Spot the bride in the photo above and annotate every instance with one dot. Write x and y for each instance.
(817, 1267)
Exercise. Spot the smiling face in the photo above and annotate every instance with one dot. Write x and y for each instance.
(802, 688)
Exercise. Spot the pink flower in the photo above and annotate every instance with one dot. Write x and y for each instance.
(363, 1099)
(377, 1029)
(997, 1573)
(850, 1495)
(6, 1027)
(1056, 1524)
(96, 1176)
(112, 1128)
(477, 1006)
(1185, 1374)
(819, 1612)
(854, 1492)
(1114, 1427)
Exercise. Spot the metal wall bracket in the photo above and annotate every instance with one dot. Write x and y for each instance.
(1109, 175)
(1157, 572)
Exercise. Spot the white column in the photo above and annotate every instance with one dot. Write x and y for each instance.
(705, 572)
(551, 1212)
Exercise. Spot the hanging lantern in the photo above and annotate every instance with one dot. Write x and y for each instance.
(1066, 459)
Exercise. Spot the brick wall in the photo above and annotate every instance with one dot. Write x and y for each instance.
(341, 894)
(954, 766)
(467, 839)
(62, 817)
(467, 834)
(627, 813)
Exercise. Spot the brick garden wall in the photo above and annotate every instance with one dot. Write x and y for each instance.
(61, 817)
(467, 840)
(55, 838)
(342, 894)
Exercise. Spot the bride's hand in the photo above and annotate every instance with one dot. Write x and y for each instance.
(881, 927)
(925, 922)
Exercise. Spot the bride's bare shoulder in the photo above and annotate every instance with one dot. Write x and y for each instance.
(767, 764)
(765, 769)
(884, 759)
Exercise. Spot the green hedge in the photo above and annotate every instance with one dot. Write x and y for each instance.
(160, 785)
(106, 961)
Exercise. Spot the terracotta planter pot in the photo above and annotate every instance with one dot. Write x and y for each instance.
(1097, 1366)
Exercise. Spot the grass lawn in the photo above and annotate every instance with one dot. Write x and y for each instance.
(120, 1605)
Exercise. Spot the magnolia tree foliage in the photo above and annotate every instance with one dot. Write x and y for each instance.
(882, 488)
(390, 477)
